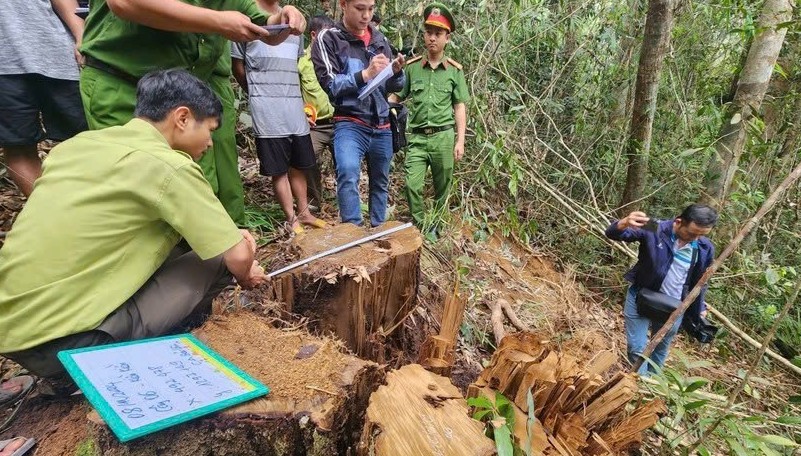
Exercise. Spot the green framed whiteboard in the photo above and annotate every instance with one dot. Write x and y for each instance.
(144, 386)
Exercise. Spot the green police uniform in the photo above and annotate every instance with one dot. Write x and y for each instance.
(119, 52)
(432, 94)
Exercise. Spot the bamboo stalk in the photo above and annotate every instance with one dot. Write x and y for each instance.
(751, 341)
(733, 245)
(735, 393)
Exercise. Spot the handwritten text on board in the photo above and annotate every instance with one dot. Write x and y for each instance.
(151, 382)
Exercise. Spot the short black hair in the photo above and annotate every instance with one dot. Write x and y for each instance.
(320, 22)
(159, 92)
(701, 214)
(376, 18)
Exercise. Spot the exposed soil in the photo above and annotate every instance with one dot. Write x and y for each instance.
(58, 425)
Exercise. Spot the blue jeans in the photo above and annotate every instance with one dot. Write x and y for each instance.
(637, 335)
(352, 143)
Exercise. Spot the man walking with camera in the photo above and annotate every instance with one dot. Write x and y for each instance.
(673, 256)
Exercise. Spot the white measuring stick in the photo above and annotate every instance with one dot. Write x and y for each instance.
(339, 249)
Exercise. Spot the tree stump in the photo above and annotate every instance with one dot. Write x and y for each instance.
(318, 397)
(577, 411)
(363, 294)
(420, 413)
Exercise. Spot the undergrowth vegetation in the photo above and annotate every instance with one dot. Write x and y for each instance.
(551, 85)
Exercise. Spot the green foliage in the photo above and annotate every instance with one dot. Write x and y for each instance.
(499, 416)
(693, 411)
(87, 448)
(266, 221)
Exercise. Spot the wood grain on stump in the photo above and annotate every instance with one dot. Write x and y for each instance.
(316, 405)
(420, 413)
(362, 294)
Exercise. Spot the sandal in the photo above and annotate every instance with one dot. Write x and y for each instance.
(296, 231)
(16, 446)
(8, 395)
(316, 223)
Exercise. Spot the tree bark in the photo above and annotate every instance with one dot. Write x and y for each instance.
(751, 87)
(362, 294)
(658, 26)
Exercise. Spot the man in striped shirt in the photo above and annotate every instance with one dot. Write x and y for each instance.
(673, 256)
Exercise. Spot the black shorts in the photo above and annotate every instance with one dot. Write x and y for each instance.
(277, 155)
(23, 97)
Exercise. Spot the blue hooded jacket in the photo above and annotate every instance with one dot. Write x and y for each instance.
(655, 257)
(339, 58)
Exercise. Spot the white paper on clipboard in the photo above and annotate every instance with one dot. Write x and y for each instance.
(376, 82)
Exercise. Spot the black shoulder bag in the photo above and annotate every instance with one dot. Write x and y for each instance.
(658, 306)
(397, 122)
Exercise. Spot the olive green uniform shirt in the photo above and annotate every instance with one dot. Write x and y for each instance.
(137, 49)
(110, 206)
(313, 93)
(432, 93)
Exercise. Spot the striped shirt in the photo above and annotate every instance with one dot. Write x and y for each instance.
(673, 285)
(276, 103)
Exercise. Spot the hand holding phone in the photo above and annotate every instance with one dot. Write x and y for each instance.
(651, 225)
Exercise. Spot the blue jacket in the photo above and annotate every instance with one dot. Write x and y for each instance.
(656, 255)
(339, 58)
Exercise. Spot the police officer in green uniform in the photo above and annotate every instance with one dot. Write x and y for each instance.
(437, 93)
(124, 39)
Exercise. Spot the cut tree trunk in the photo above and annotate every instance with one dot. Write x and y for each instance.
(658, 27)
(318, 397)
(421, 413)
(577, 411)
(752, 84)
(363, 294)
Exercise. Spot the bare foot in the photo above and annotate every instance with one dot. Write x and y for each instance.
(310, 220)
(13, 446)
(11, 388)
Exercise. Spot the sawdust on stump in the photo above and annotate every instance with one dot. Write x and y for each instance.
(271, 356)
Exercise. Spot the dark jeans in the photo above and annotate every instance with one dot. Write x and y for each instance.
(177, 297)
(352, 144)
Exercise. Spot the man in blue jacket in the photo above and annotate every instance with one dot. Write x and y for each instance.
(346, 59)
(672, 253)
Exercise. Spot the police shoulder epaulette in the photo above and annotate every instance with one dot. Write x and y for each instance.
(454, 63)
(414, 59)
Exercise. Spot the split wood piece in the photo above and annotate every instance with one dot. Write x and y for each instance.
(421, 413)
(315, 407)
(576, 407)
(626, 433)
(436, 353)
(363, 294)
(499, 308)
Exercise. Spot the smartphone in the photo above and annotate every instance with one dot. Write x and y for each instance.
(651, 225)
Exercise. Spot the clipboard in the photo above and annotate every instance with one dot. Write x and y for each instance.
(144, 386)
(376, 82)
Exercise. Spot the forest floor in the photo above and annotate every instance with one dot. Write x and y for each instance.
(542, 289)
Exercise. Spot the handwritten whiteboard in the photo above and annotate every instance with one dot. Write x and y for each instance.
(147, 385)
